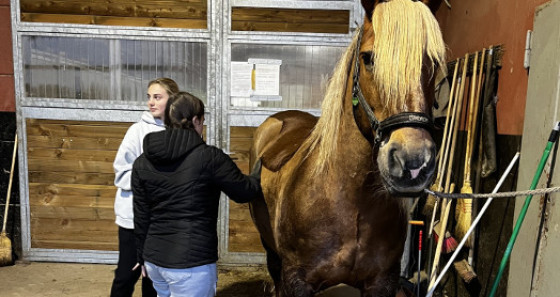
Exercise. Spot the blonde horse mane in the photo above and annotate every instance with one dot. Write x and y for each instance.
(397, 25)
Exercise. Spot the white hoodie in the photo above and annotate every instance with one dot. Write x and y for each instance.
(129, 150)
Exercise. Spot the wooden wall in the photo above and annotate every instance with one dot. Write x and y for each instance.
(505, 23)
(142, 13)
(191, 14)
(71, 191)
(289, 20)
(8, 99)
(243, 236)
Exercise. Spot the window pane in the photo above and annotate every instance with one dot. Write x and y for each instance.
(109, 69)
(303, 74)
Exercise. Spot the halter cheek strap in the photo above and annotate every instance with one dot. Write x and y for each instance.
(403, 119)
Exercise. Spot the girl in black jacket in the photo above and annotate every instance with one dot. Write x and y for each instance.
(176, 184)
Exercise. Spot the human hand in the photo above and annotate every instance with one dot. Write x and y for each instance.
(257, 168)
(144, 274)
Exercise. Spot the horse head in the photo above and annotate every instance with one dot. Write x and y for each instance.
(398, 51)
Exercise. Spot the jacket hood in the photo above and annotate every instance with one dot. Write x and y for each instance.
(147, 117)
(170, 145)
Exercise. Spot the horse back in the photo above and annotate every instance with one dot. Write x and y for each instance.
(280, 136)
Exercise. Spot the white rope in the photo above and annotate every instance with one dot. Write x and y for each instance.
(493, 195)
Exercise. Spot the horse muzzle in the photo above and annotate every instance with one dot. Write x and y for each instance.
(407, 167)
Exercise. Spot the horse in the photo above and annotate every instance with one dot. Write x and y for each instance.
(334, 187)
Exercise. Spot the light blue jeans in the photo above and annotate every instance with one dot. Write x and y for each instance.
(199, 281)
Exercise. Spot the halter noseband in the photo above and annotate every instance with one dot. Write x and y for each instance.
(403, 119)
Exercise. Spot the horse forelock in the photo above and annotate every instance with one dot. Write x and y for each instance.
(405, 32)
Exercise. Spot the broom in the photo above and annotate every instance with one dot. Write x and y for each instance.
(5, 243)
(463, 213)
(446, 204)
(431, 202)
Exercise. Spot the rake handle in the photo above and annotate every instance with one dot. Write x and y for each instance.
(10, 185)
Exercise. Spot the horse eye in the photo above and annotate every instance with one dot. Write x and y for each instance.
(367, 59)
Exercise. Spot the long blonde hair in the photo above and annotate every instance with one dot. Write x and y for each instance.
(397, 25)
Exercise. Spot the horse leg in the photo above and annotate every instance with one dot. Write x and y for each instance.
(293, 283)
(382, 286)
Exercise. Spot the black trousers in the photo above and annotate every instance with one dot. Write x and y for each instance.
(125, 279)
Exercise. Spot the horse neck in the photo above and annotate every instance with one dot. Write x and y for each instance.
(353, 147)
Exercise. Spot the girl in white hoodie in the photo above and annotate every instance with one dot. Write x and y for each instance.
(125, 279)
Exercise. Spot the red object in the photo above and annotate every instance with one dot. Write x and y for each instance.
(420, 241)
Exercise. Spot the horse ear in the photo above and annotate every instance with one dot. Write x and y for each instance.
(368, 7)
(432, 4)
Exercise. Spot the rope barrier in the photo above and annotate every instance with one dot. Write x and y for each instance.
(492, 195)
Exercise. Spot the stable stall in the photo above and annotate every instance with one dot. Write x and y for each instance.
(81, 73)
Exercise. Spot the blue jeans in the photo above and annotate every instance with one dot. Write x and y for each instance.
(199, 281)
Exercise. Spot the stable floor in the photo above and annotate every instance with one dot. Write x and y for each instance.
(92, 280)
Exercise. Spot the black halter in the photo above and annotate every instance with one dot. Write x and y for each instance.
(403, 119)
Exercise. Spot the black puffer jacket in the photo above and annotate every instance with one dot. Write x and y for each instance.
(176, 185)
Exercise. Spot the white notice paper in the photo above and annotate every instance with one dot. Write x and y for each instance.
(267, 79)
(241, 79)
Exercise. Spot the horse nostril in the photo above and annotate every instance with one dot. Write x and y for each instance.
(396, 161)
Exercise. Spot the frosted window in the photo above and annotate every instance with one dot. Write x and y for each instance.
(109, 69)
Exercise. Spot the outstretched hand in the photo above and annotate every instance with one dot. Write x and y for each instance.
(257, 168)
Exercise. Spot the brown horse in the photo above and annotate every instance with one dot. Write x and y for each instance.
(332, 211)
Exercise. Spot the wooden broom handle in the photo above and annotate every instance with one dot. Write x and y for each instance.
(444, 143)
(477, 101)
(10, 185)
(471, 114)
(445, 207)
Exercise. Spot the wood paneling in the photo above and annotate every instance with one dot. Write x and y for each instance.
(114, 21)
(73, 233)
(71, 191)
(290, 20)
(189, 14)
(243, 236)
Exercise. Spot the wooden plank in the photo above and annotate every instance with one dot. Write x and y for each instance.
(42, 226)
(81, 245)
(69, 166)
(115, 21)
(73, 212)
(239, 212)
(246, 245)
(55, 200)
(242, 132)
(51, 192)
(66, 154)
(243, 237)
(141, 8)
(101, 143)
(106, 179)
(281, 15)
(289, 27)
(65, 130)
(70, 122)
(240, 144)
